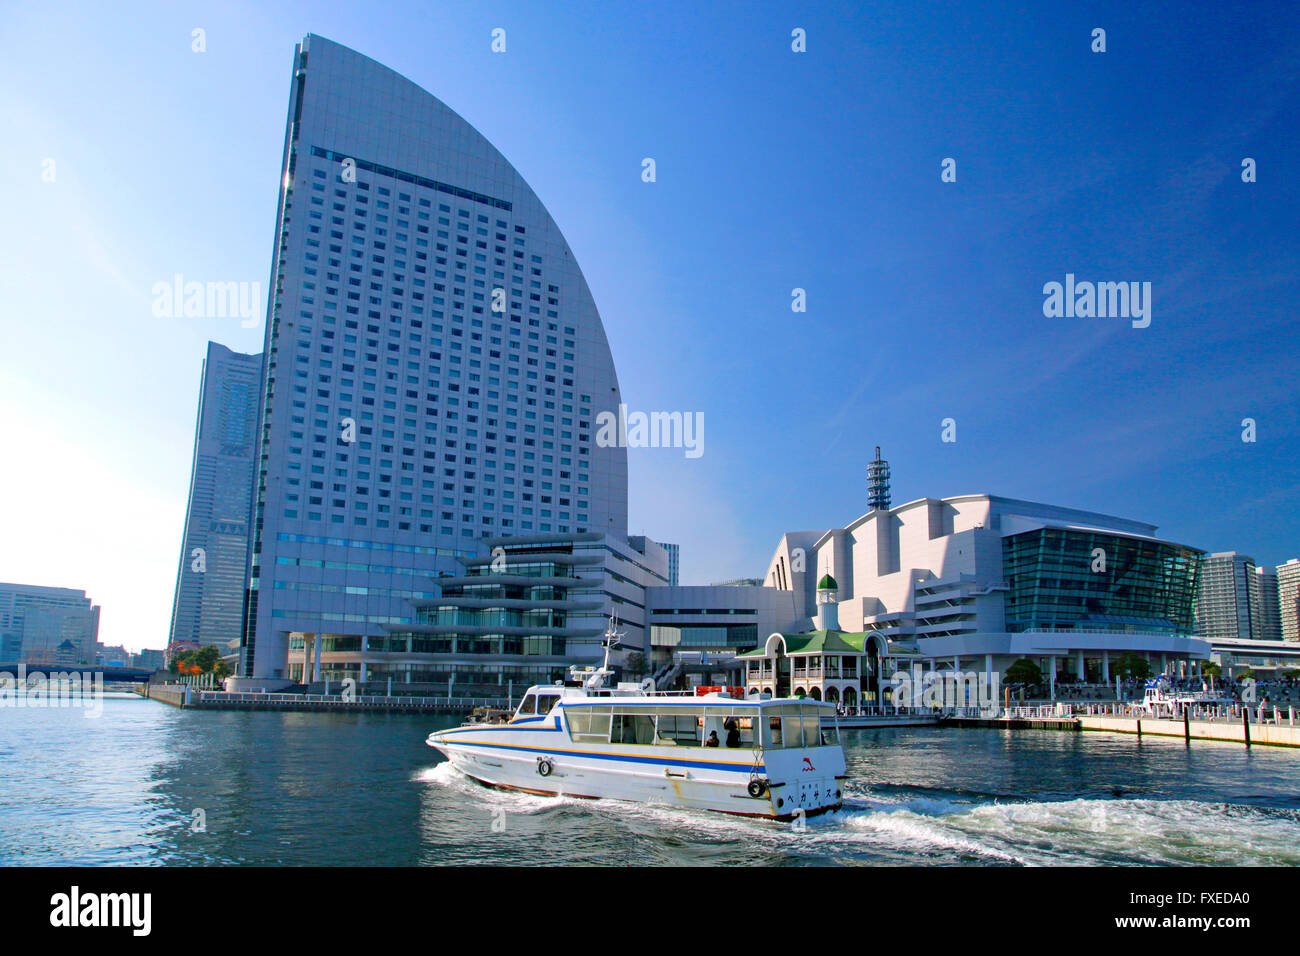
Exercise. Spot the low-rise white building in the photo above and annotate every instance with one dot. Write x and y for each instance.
(976, 582)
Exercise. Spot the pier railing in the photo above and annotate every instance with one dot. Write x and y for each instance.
(1211, 713)
(192, 697)
(935, 711)
(362, 699)
(1039, 712)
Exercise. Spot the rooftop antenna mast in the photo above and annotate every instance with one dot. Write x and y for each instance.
(878, 483)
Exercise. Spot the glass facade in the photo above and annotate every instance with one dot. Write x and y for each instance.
(702, 637)
(209, 598)
(1072, 579)
(519, 610)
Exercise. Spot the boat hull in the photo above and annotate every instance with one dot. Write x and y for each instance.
(802, 782)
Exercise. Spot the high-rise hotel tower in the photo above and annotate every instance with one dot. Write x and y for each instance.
(433, 364)
(210, 580)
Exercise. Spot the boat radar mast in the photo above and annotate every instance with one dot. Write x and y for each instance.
(595, 679)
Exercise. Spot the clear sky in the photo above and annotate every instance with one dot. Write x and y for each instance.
(776, 170)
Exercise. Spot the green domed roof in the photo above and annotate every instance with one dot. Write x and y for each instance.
(827, 583)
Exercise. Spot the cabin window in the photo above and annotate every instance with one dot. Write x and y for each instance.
(529, 705)
(735, 730)
(812, 730)
(777, 739)
(588, 724)
(633, 729)
(792, 731)
(545, 702)
(680, 730)
(800, 726)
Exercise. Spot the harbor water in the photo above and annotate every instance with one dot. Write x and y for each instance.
(149, 784)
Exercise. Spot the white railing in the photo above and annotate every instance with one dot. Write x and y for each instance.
(1034, 713)
(1222, 713)
(359, 699)
(889, 711)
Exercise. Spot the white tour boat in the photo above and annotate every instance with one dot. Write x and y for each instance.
(775, 758)
(1160, 700)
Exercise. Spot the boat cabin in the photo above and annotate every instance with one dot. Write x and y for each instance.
(700, 722)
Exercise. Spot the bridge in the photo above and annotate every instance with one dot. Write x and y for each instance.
(112, 674)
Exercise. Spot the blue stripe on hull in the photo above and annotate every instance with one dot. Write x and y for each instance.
(623, 758)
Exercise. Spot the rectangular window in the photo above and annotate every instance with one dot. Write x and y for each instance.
(588, 724)
(633, 729)
(678, 730)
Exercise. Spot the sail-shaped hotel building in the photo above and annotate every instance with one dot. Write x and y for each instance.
(433, 366)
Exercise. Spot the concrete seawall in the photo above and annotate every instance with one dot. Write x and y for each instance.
(1266, 734)
(168, 695)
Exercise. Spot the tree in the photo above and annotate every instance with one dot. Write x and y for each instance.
(1132, 665)
(1210, 669)
(634, 663)
(1024, 671)
(207, 658)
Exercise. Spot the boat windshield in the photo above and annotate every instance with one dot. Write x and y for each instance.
(799, 725)
(537, 703)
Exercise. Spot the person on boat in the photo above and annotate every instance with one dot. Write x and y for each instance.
(713, 739)
(733, 732)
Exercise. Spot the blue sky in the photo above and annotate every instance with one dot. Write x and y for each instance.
(775, 170)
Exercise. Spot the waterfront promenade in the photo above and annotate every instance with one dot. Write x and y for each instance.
(191, 698)
(1267, 725)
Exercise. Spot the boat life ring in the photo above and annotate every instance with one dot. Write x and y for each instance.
(544, 766)
(757, 788)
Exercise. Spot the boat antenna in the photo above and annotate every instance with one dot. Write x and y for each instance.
(613, 638)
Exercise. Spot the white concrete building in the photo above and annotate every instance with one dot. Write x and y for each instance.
(975, 582)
